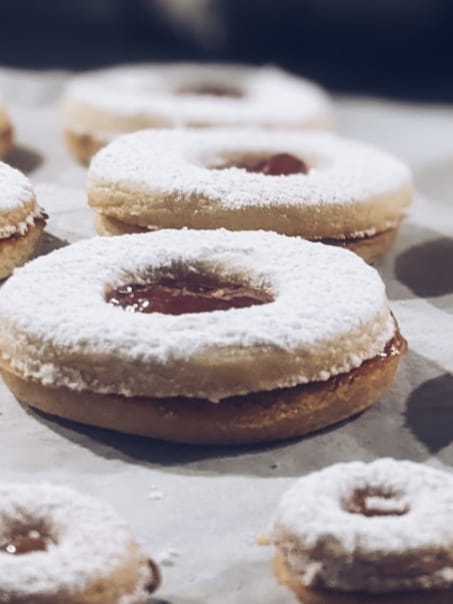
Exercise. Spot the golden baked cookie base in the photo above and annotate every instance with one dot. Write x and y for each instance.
(16, 250)
(316, 596)
(257, 417)
(369, 248)
(6, 140)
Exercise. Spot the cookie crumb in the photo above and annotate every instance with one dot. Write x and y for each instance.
(168, 557)
(154, 494)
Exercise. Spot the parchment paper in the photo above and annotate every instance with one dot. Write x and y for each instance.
(199, 510)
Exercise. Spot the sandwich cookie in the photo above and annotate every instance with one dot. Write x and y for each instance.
(377, 533)
(199, 336)
(22, 221)
(312, 185)
(57, 545)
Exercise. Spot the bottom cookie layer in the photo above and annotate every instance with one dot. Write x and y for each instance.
(369, 248)
(318, 596)
(16, 250)
(257, 417)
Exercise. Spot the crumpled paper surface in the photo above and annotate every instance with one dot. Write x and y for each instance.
(199, 510)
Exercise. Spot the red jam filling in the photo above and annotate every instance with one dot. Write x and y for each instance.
(24, 542)
(192, 293)
(216, 90)
(281, 164)
(155, 579)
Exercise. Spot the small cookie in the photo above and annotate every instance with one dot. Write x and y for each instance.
(99, 106)
(6, 131)
(377, 533)
(199, 336)
(22, 221)
(314, 185)
(57, 546)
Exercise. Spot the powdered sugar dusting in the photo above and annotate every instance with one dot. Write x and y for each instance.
(18, 208)
(175, 163)
(269, 97)
(329, 314)
(15, 189)
(90, 541)
(327, 546)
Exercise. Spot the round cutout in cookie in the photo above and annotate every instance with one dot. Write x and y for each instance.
(22, 220)
(351, 534)
(99, 106)
(6, 131)
(314, 185)
(199, 336)
(57, 545)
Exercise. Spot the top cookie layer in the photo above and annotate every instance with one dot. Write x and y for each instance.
(329, 314)
(165, 179)
(18, 207)
(124, 99)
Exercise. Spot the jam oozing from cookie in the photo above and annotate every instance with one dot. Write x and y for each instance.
(216, 90)
(155, 579)
(191, 293)
(369, 503)
(24, 542)
(280, 164)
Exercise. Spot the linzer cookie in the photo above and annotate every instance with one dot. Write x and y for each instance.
(57, 546)
(21, 220)
(313, 185)
(6, 131)
(199, 336)
(357, 533)
(99, 106)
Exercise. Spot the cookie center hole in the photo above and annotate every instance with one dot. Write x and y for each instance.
(280, 164)
(25, 540)
(211, 89)
(188, 292)
(375, 502)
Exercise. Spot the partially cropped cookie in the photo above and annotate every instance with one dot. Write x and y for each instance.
(99, 106)
(6, 131)
(22, 220)
(59, 546)
(377, 533)
(199, 336)
(314, 185)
